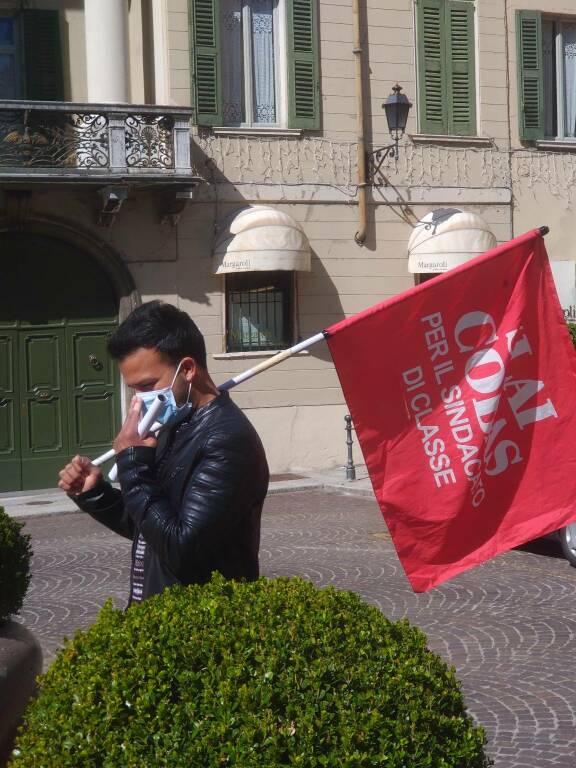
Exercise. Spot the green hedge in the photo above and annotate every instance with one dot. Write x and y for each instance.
(15, 554)
(258, 675)
(572, 332)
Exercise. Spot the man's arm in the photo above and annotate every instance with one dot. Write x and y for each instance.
(184, 537)
(105, 505)
(83, 483)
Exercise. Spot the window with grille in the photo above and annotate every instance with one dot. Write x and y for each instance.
(259, 311)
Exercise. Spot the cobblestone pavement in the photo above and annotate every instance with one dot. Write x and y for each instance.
(508, 627)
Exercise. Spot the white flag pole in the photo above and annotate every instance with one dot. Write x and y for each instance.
(283, 355)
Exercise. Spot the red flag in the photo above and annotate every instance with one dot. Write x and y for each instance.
(463, 395)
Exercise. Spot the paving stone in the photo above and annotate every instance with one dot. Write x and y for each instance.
(508, 627)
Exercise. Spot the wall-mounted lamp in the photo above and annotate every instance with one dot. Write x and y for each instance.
(113, 196)
(397, 106)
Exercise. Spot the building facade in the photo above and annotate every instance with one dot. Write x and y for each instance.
(217, 154)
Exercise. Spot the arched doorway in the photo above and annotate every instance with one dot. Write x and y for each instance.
(59, 390)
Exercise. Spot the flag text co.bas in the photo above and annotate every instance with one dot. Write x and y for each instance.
(463, 395)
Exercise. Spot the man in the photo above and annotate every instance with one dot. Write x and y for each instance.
(191, 500)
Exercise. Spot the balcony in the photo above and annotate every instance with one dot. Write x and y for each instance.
(111, 143)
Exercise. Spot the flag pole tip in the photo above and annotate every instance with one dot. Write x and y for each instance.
(544, 230)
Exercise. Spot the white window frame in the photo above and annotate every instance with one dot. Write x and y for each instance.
(280, 74)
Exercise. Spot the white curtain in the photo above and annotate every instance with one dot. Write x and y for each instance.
(263, 61)
(569, 38)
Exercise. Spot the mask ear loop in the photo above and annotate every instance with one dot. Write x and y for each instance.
(189, 385)
(176, 374)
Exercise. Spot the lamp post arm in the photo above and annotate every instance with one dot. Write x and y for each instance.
(376, 157)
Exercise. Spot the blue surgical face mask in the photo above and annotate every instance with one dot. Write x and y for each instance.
(170, 407)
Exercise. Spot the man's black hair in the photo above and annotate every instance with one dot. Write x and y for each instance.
(155, 325)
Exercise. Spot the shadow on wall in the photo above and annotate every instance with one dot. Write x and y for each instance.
(167, 260)
(319, 305)
(202, 164)
(177, 280)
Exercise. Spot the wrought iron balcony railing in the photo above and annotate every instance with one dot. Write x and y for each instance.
(93, 141)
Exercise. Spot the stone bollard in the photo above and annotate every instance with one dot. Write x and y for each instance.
(350, 468)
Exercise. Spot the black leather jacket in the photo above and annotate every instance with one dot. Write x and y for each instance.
(195, 500)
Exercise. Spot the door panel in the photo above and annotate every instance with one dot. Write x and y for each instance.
(94, 416)
(44, 420)
(10, 463)
(92, 364)
(94, 421)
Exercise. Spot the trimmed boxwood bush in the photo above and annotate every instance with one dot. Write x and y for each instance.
(270, 673)
(15, 554)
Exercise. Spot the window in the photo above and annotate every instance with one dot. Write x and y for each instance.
(9, 59)
(547, 76)
(559, 48)
(251, 39)
(446, 66)
(423, 277)
(255, 63)
(259, 311)
(30, 56)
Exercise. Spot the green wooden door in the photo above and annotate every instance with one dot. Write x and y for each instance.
(59, 390)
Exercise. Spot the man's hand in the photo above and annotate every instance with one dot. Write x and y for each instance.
(79, 476)
(128, 435)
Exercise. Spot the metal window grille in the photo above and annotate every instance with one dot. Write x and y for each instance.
(258, 311)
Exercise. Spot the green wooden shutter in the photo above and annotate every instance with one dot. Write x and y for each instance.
(461, 78)
(205, 61)
(42, 56)
(432, 66)
(530, 74)
(303, 65)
